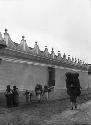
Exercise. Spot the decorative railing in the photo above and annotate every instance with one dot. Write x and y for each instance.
(22, 51)
(38, 58)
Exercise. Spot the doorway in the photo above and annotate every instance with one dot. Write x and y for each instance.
(51, 81)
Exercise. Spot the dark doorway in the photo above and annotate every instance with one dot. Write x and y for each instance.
(51, 81)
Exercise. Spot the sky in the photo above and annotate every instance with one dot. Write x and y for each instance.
(64, 25)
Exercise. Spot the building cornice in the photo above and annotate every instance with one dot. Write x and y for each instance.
(30, 57)
(22, 51)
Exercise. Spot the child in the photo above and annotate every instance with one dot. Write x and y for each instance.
(27, 96)
(30, 95)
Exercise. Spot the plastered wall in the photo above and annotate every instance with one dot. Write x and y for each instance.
(60, 78)
(27, 76)
(24, 76)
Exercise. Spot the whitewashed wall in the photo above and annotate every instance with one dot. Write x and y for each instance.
(26, 76)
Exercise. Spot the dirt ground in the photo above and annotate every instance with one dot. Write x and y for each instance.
(37, 113)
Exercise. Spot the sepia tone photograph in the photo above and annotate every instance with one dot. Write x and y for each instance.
(45, 62)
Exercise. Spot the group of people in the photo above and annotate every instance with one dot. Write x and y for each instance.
(42, 91)
(72, 85)
(39, 91)
(11, 96)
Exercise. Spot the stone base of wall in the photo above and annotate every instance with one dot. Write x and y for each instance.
(58, 94)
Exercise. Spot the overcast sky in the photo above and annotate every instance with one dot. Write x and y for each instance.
(64, 25)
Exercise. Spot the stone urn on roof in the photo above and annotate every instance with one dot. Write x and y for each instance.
(2, 42)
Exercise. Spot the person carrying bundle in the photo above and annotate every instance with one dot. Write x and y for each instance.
(73, 88)
(46, 91)
(38, 91)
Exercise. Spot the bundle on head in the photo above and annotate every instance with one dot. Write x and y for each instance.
(72, 83)
(38, 87)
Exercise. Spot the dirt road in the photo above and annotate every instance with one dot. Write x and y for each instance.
(45, 113)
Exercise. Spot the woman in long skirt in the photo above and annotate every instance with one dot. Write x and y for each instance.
(8, 95)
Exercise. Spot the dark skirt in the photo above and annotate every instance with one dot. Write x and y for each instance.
(74, 91)
(9, 100)
(73, 98)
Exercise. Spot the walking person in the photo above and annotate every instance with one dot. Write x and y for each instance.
(15, 96)
(73, 88)
(38, 91)
(8, 95)
(46, 92)
(73, 98)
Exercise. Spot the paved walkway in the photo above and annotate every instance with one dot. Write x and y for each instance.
(80, 116)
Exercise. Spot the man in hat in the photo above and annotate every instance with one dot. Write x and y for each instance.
(15, 96)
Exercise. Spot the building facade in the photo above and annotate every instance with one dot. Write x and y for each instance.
(25, 67)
